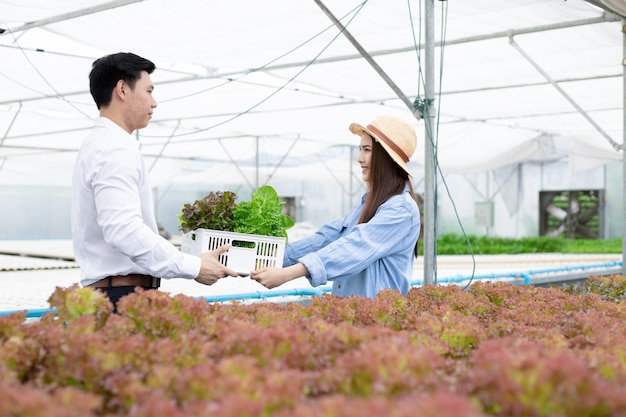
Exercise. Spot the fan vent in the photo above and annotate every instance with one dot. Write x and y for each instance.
(573, 214)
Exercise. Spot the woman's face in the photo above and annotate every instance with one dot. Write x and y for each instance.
(365, 155)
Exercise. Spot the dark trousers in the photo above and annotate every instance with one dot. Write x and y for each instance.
(115, 293)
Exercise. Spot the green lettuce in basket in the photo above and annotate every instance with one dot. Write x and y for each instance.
(262, 215)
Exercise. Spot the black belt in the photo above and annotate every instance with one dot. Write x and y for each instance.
(130, 280)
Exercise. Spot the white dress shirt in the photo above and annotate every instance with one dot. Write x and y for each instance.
(114, 229)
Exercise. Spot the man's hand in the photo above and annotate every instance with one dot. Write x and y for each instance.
(211, 269)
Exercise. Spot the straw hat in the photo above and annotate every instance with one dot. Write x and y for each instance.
(396, 136)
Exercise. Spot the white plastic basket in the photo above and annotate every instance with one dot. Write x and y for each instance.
(264, 251)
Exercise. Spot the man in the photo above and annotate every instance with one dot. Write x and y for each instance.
(114, 231)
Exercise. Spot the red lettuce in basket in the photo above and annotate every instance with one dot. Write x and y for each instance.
(215, 212)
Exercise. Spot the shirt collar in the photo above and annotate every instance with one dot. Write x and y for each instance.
(107, 123)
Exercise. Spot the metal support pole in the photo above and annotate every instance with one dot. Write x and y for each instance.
(624, 148)
(256, 163)
(428, 116)
(429, 161)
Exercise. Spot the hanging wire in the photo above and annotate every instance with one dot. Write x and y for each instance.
(48, 83)
(355, 11)
(416, 44)
(444, 22)
(270, 62)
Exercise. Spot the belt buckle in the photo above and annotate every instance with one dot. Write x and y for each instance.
(156, 282)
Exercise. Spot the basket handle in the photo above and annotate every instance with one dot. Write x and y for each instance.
(243, 244)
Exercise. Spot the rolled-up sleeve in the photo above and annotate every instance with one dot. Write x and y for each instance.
(362, 245)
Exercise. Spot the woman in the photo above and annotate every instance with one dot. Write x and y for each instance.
(373, 246)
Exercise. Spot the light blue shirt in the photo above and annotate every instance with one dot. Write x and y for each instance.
(362, 259)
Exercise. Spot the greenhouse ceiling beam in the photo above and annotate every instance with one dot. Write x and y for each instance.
(204, 139)
(70, 15)
(351, 101)
(613, 6)
(167, 142)
(237, 164)
(607, 17)
(278, 165)
(363, 53)
(4, 159)
(6, 133)
(351, 176)
(573, 102)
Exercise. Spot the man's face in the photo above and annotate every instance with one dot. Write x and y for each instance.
(141, 103)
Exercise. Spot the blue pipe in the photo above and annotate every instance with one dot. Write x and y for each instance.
(260, 295)
(32, 313)
(461, 278)
(317, 292)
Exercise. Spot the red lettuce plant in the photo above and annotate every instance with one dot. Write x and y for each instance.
(494, 350)
(214, 211)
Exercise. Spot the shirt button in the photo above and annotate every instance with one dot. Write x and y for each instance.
(339, 286)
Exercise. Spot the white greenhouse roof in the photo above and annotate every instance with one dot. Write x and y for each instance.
(274, 85)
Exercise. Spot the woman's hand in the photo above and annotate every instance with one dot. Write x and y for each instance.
(274, 277)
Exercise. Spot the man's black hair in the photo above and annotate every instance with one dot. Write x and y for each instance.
(108, 70)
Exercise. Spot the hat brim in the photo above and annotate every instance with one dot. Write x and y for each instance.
(357, 129)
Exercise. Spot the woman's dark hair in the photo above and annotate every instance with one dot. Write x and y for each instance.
(108, 70)
(386, 179)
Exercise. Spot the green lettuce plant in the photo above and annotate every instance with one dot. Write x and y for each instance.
(262, 215)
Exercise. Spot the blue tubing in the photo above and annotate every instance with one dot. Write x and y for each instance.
(260, 295)
(317, 292)
(32, 313)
